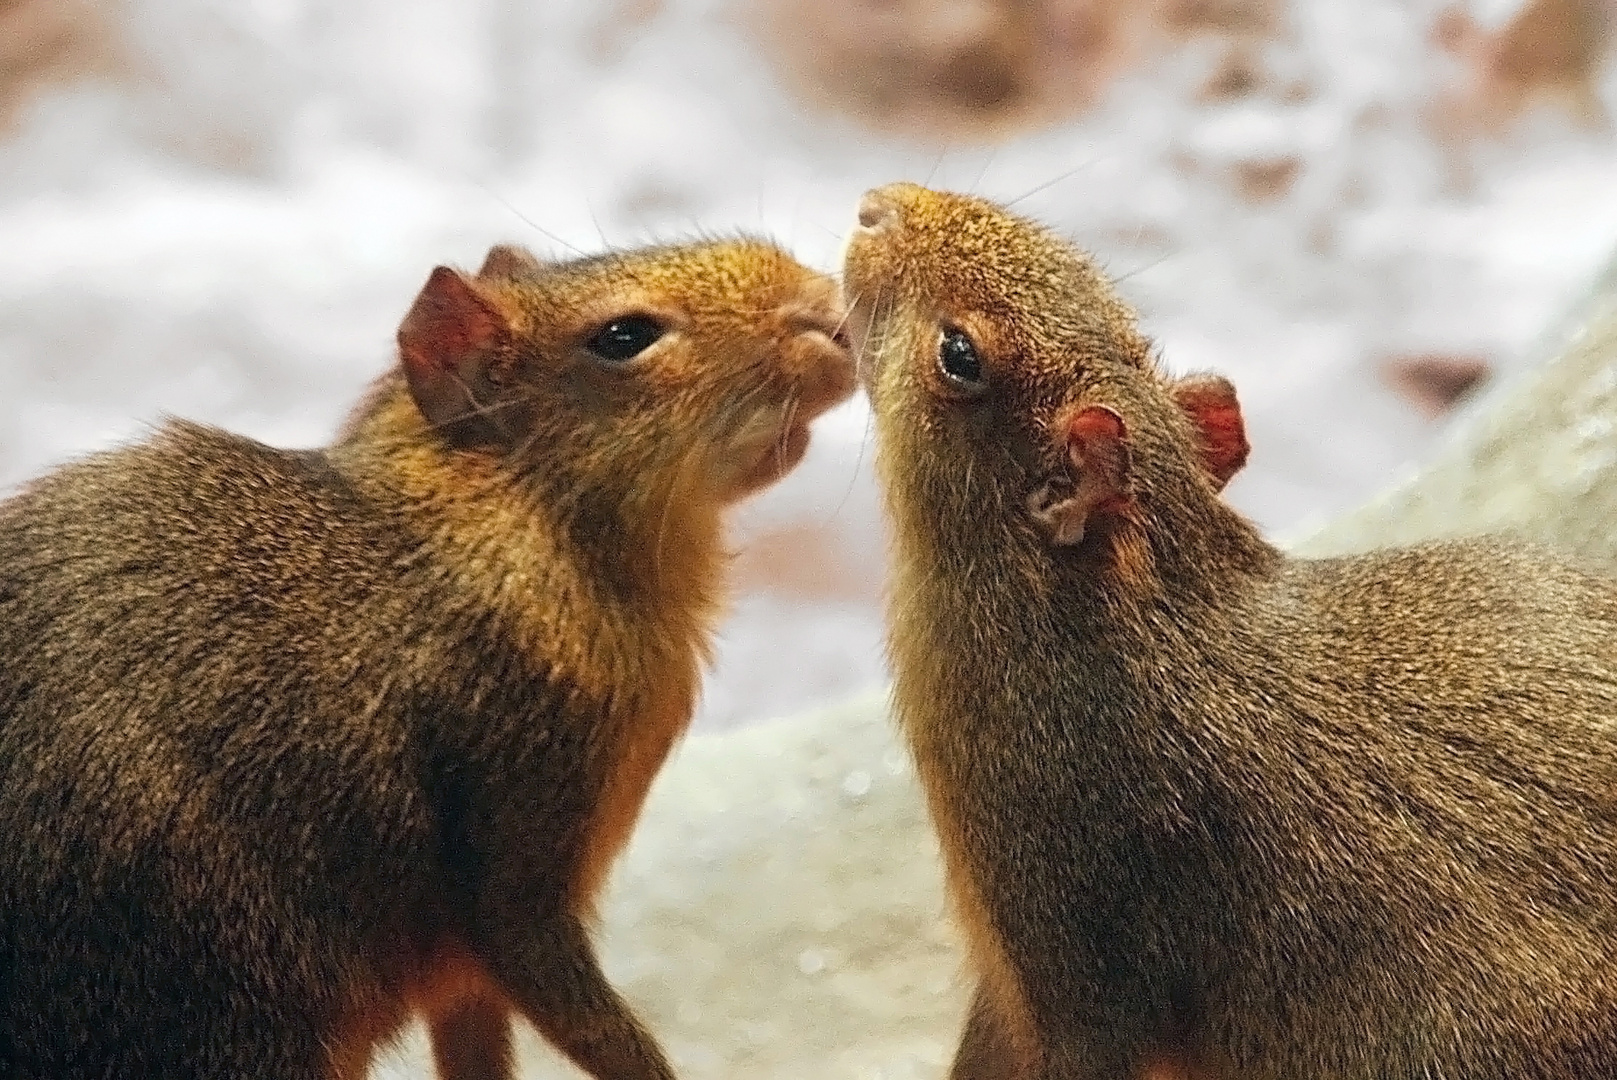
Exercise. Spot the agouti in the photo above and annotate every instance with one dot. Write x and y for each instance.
(294, 744)
(1207, 810)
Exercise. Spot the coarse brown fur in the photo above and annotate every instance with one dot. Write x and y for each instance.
(1208, 811)
(296, 744)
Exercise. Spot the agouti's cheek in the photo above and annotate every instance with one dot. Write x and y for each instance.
(592, 390)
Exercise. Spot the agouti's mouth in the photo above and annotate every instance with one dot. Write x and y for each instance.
(865, 291)
(819, 374)
(762, 461)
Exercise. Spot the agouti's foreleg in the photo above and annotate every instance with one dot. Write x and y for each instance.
(989, 1050)
(473, 1042)
(984, 1053)
(553, 978)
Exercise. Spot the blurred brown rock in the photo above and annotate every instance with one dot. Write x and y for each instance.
(1534, 455)
(1549, 53)
(49, 40)
(1265, 180)
(938, 65)
(191, 77)
(1433, 382)
(974, 68)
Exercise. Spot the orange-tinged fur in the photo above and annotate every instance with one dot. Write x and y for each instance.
(985, 951)
(299, 744)
(640, 754)
(445, 981)
(451, 977)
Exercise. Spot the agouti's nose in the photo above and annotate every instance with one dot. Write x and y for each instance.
(878, 210)
(818, 354)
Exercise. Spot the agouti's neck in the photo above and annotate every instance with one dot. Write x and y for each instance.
(1127, 613)
(1187, 556)
(606, 556)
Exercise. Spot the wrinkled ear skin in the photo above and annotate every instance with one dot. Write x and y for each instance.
(455, 349)
(1100, 479)
(1209, 401)
(509, 261)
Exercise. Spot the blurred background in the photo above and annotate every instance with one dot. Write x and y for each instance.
(220, 209)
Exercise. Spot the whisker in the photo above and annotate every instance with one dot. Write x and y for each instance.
(859, 361)
(1158, 261)
(975, 184)
(739, 411)
(497, 197)
(842, 324)
(478, 408)
(785, 430)
(1053, 181)
(858, 463)
(605, 243)
(662, 532)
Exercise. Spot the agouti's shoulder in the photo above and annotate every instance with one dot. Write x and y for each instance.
(1473, 594)
(195, 499)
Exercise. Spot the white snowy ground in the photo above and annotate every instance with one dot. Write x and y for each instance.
(138, 277)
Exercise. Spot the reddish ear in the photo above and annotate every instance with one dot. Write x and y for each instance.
(1097, 442)
(1098, 449)
(450, 344)
(1209, 401)
(508, 261)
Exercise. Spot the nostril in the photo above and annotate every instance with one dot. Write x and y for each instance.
(876, 211)
(807, 318)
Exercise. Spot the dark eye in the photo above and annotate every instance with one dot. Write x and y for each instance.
(625, 338)
(958, 360)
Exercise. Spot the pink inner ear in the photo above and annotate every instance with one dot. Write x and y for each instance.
(449, 324)
(1210, 403)
(1097, 422)
(1097, 443)
(450, 346)
(1097, 446)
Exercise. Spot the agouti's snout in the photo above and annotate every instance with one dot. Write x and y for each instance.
(807, 369)
(816, 353)
(885, 208)
(879, 209)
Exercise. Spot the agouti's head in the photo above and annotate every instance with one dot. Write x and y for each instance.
(696, 365)
(1010, 383)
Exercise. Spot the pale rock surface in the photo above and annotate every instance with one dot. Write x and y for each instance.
(1535, 455)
